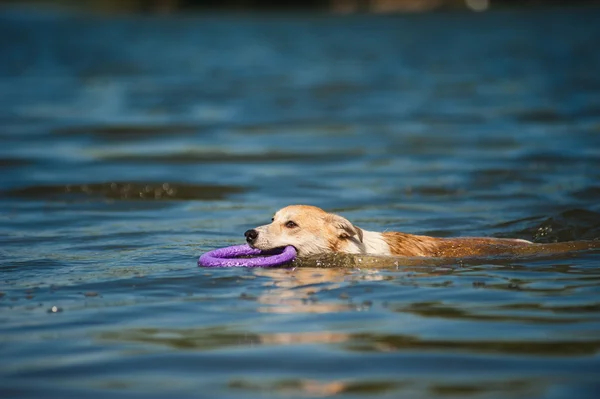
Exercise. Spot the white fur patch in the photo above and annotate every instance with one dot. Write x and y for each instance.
(373, 244)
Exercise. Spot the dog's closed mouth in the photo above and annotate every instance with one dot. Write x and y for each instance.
(276, 250)
(270, 251)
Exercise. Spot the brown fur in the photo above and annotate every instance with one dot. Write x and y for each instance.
(402, 244)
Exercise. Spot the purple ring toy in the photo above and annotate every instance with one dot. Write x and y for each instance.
(228, 257)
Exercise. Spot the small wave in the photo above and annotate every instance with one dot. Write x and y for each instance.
(127, 132)
(570, 225)
(230, 158)
(127, 191)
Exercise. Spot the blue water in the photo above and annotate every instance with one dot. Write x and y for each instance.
(131, 145)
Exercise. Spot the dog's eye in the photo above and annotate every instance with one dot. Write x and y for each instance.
(291, 225)
(272, 219)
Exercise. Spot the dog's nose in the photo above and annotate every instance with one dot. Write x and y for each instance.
(251, 235)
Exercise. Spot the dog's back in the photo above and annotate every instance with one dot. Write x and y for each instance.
(464, 247)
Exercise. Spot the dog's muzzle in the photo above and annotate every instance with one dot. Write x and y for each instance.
(251, 236)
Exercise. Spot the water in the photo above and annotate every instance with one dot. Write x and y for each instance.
(131, 145)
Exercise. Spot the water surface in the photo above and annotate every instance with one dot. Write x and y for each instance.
(131, 145)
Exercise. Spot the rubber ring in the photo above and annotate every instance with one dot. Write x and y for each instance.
(229, 257)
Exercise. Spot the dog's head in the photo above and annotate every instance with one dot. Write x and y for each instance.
(309, 229)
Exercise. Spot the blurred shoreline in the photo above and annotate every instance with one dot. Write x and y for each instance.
(332, 6)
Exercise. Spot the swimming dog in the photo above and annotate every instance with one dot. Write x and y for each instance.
(313, 231)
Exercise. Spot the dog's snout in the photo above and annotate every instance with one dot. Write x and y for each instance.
(251, 235)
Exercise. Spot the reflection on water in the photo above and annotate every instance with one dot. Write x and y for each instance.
(132, 145)
(219, 338)
(318, 388)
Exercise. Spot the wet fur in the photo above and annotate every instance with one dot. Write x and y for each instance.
(318, 232)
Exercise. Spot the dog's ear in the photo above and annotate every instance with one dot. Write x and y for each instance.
(345, 229)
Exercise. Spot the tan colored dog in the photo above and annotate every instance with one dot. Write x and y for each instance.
(312, 231)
